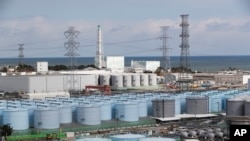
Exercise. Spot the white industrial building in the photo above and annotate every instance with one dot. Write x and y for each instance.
(145, 65)
(115, 63)
(45, 83)
(42, 66)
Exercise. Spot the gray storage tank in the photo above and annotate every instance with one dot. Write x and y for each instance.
(88, 114)
(235, 107)
(46, 118)
(18, 119)
(197, 105)
(247, 108)
(163, 108)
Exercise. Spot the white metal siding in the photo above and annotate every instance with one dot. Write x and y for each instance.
(54, 83)
(14, 83)
(42, 66)
(87, 80)
(37, 84)
(115, 62)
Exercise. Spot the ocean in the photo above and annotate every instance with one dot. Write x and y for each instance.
(197, 63)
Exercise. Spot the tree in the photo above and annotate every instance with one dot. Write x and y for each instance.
(25, 68)
(5, 69)
(6, 130)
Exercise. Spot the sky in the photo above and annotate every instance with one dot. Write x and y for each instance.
(129, 27)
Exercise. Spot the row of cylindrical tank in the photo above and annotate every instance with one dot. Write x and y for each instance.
(91, 110)
(130, 80)
(238, 107)
(206, 133)
(168, 107)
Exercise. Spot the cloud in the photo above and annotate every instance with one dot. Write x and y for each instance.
(206, 36)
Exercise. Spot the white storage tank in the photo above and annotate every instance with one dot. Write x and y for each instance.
(157, 139)
(127, 111)
(136, 80)
(117, 81)
(88, 114)
(46, 118)
(105, 79)
(93, 139)
(18, 119)
(127, 137)
(144, 79)
(152, 79)
(127, 80)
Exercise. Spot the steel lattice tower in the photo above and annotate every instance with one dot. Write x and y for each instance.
(71, 46)
(165, 55)
(20, 56)
(184, 59)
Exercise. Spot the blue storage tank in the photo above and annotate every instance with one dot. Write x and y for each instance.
(88, 114)
(1, 115)
(106, 108)
(127, 137)
(31, 108)
(73, 108)
(18, 119)
(46, 118)
(3, 103)
(127, 111)
(215, 104)
(65, 114)
(177, 106)
(142, 108)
